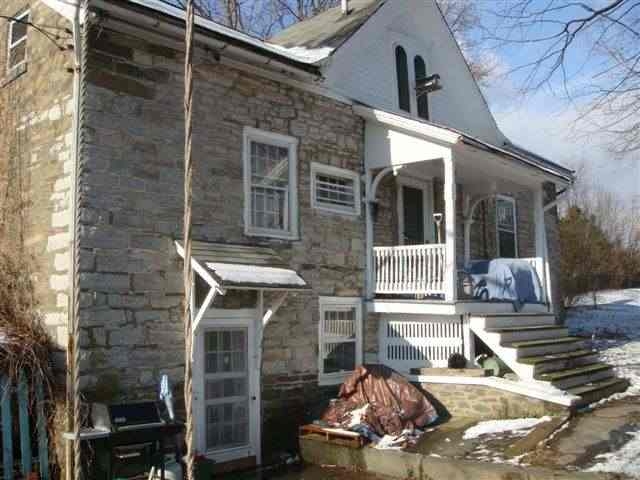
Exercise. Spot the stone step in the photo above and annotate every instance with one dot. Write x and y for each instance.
(533, 332)
(595, 391)
(516, 319)
(560, 361)
(575, 377)
(545, 347)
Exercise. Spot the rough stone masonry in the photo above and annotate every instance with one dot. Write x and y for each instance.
(131, 277)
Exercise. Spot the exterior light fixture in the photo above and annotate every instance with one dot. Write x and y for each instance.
(428, 84)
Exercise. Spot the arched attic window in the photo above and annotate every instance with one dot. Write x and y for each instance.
(402, 71)
(422, 101)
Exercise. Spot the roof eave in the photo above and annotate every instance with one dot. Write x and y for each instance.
(134, 11)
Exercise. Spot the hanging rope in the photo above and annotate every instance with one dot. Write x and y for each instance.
(188, 273)
(81, 44)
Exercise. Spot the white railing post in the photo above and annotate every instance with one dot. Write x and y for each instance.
(541, 244)
(450, 270)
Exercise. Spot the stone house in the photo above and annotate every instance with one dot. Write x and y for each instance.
(328, 161)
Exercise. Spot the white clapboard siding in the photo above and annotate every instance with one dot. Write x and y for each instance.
(413, 344)
(410, 269)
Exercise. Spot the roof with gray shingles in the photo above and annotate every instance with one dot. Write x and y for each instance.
(330, 28)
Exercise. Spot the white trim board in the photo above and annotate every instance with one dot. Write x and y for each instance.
(527, 389)
(447, 308)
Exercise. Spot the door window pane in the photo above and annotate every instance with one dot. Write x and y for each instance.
(226, 388)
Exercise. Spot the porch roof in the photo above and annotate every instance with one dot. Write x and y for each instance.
(444, 138)
(242, 267)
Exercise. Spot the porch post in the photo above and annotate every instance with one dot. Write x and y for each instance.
(541, 245)
(369, 275)
(450, 272)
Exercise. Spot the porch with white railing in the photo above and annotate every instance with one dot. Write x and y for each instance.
(410, 269)
(421, 270)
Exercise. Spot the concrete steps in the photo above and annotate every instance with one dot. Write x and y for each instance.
(537, 349)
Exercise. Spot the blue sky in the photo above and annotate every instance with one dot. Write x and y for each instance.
(544, 121)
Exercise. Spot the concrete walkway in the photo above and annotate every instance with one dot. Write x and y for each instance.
(602, 430)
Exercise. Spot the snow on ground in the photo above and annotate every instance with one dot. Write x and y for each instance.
(614, 328)
(519, 427)
(626, 460)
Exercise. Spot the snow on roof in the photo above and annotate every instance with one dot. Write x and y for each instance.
(234, 274)
(244, 266)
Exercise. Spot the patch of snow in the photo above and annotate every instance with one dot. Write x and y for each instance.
(253, 274)
(518, 427)
(306, 55)
(626, 460)
(614, 328)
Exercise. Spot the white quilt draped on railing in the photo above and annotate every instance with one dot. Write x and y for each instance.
(410, 269)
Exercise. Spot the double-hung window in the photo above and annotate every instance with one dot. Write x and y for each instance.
(17, 41)
(506, 224)
(335, 189)
(270, 207)
(340, 338)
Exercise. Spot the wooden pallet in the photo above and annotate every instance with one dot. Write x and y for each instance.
(332, 435)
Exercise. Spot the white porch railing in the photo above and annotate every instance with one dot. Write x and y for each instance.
(410, 269)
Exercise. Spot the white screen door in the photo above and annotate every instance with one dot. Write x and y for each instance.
(226, 388)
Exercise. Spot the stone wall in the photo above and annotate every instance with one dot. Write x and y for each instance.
(486, 403)
(35, 157)
(131, 276)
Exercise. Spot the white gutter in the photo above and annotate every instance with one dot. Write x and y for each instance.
(155, 23)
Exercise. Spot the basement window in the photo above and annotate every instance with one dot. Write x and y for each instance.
(335, 189)
(340, 338)
(17, 41)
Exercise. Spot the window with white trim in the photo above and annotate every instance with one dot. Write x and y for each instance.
(340, 338)
(17, 41)
(270, 207)
(335, 189)
(506, 225)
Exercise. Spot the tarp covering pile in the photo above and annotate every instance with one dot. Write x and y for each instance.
(380, 400)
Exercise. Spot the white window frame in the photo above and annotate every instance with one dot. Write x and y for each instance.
(338, 304)
(319, 168)
(511, 200)
(11, 45)
(291, 143)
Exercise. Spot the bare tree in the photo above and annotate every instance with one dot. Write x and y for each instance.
(587, 51)
(463, 18)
